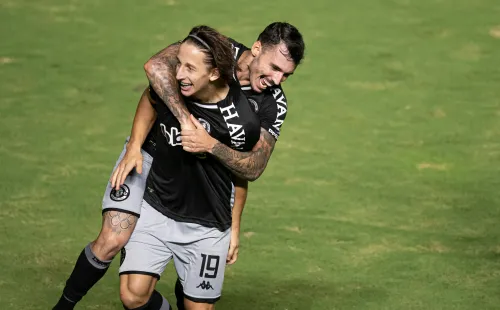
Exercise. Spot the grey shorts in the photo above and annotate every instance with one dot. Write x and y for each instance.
(129, 198)
(199, 253)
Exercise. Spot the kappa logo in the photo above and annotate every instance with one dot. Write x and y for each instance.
(205, 124)
(205, 286)
(121, 194)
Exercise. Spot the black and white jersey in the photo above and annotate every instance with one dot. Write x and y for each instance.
(270, 105)
(195, 188)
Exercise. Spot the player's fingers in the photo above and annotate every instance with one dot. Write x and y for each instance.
(116, 176)
(121, 177)
(138, 167)
(187, 139)
(234, 257)
(187, 132)
(189, 148)
(126, 172)
(195, 121)
(229, 256)
(113, 178)
(118, 181)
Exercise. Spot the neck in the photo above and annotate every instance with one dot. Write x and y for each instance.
(213, 93)
(243, 73)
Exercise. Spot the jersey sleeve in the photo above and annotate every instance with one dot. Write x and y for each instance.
(273, 110)
(238, 48)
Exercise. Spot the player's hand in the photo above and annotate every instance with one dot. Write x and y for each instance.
(188, 125)
(132, 159)
(234, 246)
(197, 140)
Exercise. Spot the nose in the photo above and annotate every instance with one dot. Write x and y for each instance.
(278, 78)
(180, 73)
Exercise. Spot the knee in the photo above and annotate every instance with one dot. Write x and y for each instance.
(134, 296)
(108, 244)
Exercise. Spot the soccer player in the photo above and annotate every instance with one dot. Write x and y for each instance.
(275, 55)
(279, 46)
(186, 212)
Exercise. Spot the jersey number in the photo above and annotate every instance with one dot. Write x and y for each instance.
(210, 263)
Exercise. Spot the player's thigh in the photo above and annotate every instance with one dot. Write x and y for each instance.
(201, 261)
(146, 252)
(128, 198)
(117, 227)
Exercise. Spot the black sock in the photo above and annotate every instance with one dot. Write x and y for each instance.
(155, 302)
(179, 294)
(87, 272)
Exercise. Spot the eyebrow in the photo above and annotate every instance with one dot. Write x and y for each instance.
(187, 64)
(275, 66)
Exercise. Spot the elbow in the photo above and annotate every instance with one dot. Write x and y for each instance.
(255, 175)
(257, 172)
(149, 67)
(252, 178)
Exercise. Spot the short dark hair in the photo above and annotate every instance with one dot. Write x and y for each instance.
(278, 32)
(216, 47)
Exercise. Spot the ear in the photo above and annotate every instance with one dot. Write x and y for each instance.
(256, 48)
(214, 74)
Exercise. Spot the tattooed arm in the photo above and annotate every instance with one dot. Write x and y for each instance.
(160, 70)
(247, 165)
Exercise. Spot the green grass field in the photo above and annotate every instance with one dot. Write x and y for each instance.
(382, 192)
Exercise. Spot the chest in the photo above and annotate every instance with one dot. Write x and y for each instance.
(235, 126)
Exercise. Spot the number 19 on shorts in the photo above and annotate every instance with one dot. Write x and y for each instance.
(209, 266)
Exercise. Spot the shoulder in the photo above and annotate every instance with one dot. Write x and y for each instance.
(238, 48)
(274, 101)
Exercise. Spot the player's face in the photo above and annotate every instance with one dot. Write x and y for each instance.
(270, 66)
(193, 74)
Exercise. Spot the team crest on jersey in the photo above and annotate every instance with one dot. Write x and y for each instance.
(254, 104)
(205, 124)
(121, 194)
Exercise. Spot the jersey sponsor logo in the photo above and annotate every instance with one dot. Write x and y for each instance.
(205, 124)
(281, 106)
(121, 194)
(254, 105)
(173, 135)
(275, 135)
(99, 262)
(236, 131)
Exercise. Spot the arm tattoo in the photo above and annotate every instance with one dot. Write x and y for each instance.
(247, 165)
(160, 70)
(120, 221)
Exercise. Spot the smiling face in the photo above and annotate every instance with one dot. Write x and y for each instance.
(193, 73)
(270, 66)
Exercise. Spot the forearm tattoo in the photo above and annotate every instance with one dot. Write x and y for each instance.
(246, 165)
(120, 221)
(161, 76)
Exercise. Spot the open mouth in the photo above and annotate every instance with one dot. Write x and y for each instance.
(264, 83)
(185, 86)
